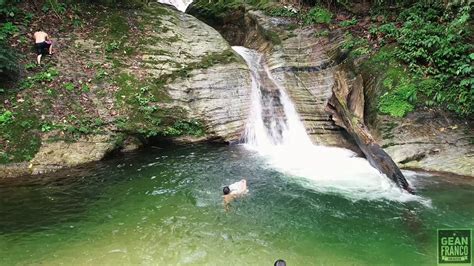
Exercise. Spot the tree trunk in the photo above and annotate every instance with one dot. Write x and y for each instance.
(346, 106)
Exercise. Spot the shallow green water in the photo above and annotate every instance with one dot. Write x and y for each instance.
(164, 206)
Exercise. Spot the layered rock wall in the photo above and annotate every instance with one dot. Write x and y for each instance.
(303, 63)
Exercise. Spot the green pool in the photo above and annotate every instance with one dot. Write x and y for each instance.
(164, 207)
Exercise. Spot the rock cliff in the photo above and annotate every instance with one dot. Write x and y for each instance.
(141, 74)
(303, 60)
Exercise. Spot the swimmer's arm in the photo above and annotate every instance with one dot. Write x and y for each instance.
(226, 203)
(227, 200)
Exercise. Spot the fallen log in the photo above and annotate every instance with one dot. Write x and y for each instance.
(347, 109)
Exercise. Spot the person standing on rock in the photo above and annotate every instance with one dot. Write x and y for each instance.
(43, 45)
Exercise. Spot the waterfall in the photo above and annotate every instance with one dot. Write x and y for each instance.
(275, 131)
(181, 5)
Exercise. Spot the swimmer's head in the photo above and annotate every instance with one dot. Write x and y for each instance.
(226, 190)
(280, 263)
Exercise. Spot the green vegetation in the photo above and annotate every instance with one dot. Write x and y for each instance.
(8, 57)
(7, 29)
(54, 5)
(79, 127)
(8, 62)
(398, 99)
(101, 74)
(18, 133)
(225, 57)
(112, 46)
(321, 33)
(433, 41)
(69, 86)
(318, 15)
(6, 117)
(185, 128)
(271, 36)
(118, 3)
(358, 46)
(117, 35)
(85, 88)
(220, 8)
(425, 60)
(399, 88)
(348, 23)
(117, 25)
(281, 12)
(46, 76)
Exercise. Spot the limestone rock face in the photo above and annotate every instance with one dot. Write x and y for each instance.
(57, 155)
(431, 141)
(180, 70)
(208, 80)
(303, 63)
(218, 95)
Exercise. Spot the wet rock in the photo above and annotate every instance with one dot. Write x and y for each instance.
(56, 155)
(131, 144)
(347, 104)
(429, 140)
(14, 170)
(303, 63)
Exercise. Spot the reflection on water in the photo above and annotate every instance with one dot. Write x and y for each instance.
(165, 207)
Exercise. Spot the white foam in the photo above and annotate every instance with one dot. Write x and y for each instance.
(325, 169)
(181, 5)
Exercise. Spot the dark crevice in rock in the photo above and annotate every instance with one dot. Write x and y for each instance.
(416, 157)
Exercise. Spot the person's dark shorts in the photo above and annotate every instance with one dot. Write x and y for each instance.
(42, 48)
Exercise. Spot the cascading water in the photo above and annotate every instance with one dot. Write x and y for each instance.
(181, 5)
(275, 131)
(274, 121)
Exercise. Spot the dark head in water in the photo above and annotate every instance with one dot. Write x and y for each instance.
(280, 262)
(226, 190)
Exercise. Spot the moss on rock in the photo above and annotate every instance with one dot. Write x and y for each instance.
(19, 135)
